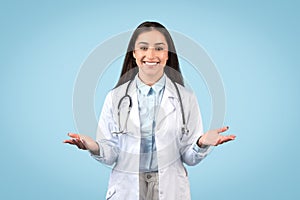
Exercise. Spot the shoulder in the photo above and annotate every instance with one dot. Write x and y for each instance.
(185, 92)
(117, 93)
(119, 89)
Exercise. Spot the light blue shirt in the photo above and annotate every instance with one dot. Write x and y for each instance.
(149, 99)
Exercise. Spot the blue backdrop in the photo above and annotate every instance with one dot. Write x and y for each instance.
(254, 45)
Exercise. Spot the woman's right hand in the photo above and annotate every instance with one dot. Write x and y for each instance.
(83, 142)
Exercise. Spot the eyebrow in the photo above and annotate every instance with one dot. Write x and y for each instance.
(159, 43)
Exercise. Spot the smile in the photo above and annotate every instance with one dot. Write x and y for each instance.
(150, 63)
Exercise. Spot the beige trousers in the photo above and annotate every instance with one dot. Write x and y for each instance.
(148, 186)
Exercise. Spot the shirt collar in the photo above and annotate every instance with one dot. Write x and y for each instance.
(159, 85)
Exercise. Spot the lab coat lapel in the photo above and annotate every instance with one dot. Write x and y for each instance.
(167, 103)
(134, 118)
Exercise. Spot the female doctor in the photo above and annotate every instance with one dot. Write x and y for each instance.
(150, 123)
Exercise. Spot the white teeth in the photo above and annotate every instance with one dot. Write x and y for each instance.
(151, 63)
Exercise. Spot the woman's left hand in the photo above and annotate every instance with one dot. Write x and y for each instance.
(213, 137)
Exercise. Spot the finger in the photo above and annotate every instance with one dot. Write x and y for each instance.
(79, 144)
(223, 129)
(224, 139)
(232, 136)
(74, 135)
(68, 141)
(220, 140)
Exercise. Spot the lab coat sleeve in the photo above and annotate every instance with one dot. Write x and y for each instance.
(191, 153)
(107, 142)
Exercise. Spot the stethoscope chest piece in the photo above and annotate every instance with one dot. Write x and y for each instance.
(185, 130)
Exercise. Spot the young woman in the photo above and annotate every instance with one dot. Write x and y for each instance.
(150, 123)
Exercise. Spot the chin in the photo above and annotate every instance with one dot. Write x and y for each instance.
(152, 71)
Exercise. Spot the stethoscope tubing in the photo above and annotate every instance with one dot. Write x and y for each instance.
(122, 131)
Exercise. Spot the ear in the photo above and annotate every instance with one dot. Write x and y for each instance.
(133, 53)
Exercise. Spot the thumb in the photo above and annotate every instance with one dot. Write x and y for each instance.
(223, 129)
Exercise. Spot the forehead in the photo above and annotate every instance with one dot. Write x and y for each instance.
(151, 37)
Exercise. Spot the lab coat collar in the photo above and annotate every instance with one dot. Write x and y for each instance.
(170, 90)
(144, 89)
(168, 105)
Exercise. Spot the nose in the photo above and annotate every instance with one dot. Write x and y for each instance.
(150, 54)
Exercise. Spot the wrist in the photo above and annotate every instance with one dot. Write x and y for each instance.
(200, 143)
(95, 150)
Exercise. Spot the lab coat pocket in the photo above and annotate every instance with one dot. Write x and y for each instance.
(110, 193)
(184, 187)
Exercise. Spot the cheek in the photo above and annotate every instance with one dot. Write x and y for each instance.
(164, 57)
(139, 56)
(138, 59)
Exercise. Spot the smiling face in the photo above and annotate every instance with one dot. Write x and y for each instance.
(151, 54)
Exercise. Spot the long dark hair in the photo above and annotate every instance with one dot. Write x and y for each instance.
(130, 69)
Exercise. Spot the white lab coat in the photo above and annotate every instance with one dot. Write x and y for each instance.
(173, 147)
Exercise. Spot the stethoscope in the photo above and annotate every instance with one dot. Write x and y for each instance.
(184, 128)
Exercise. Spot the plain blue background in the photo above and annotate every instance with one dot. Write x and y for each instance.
(255, 46)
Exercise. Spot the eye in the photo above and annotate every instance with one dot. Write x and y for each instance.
(144, 48)
(159, 48)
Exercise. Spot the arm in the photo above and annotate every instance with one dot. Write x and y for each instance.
(107, 142)
(105, 147)
(197, 144)
(191, 153)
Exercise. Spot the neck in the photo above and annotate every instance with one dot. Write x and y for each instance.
(149, 80)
